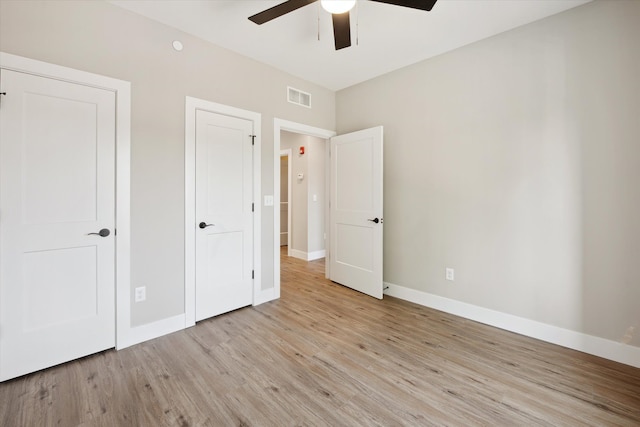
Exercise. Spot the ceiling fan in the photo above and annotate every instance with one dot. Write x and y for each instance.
(339, 10)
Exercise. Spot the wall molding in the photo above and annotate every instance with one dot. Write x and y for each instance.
(265, 295)
(149, 331)
(298, 254)
(307, 256)
(311, 256)
(612, 350)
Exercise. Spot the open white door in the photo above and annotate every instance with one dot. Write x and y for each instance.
(57, 237)
(356, 211)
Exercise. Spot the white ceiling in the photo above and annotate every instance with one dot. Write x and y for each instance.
(390, 37)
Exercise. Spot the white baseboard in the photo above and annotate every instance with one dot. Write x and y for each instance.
(298, 254)
(315, 255)
(138, 334)
(612, 350)
(307, 256)
(265, 295)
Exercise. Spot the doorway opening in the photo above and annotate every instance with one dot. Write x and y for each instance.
(302, 195)
(353, 217)
(306, 193)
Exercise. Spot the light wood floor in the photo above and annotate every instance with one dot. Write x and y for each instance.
(324, 355)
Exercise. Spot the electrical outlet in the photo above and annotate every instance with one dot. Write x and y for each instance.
(140, 294)
(268, 200)
(450, 274)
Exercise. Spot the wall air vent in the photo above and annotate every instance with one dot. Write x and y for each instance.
(298, 97)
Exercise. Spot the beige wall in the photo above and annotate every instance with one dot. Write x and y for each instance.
(516, 161)
(316, 208)
(101, 38)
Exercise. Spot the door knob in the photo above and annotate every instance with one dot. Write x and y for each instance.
(204, 225)
(376, 220)
(102, 233)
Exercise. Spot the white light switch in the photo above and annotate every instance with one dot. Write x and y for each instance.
(315, 197)
(268, 200)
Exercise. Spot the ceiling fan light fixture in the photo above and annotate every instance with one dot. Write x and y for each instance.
(337, 6)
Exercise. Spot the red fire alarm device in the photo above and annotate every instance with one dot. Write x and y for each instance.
(301, 150)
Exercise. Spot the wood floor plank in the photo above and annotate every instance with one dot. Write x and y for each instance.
(324, 355)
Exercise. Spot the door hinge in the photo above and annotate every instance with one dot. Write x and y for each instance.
(253, 207)
(253, 274)
(253, 139)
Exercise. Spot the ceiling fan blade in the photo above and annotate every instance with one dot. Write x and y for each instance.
(279, 10)
(413, 4)
(341, 30)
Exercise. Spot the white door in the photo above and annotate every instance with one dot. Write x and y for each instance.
(224, 214)
(356, 211)
(57, 185)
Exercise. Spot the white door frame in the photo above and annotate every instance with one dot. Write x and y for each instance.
(278, 126)
(288, 154)
(191, 106)
(122, 90)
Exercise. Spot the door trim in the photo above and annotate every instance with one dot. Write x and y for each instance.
(287, 153)
(192, 105)
(122, 90)
(278, 126)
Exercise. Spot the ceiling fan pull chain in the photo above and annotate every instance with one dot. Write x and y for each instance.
(318, 21)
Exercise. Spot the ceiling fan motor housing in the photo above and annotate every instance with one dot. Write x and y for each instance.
(340, 14)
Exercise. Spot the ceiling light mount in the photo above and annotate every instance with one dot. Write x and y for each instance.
(177, 45)
(337, 6)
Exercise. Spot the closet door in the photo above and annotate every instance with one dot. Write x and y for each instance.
(224, 214)
(57, 198)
